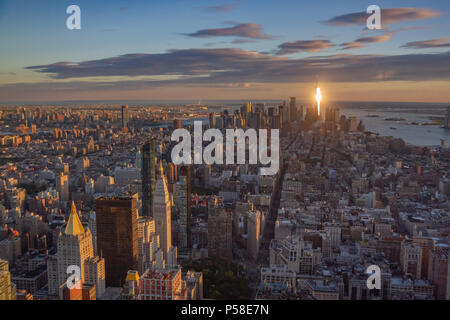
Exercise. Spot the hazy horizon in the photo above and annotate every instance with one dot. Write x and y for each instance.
(206, 101)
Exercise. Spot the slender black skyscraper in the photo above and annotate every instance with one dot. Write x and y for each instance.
(125, 116)
(293, 109)
(148, 175)
(185, 206)
(447, 119)
(212, 120)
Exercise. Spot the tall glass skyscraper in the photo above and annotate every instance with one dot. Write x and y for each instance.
(125, 116)
(148, 176)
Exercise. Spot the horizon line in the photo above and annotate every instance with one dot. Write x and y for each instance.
(203, 101)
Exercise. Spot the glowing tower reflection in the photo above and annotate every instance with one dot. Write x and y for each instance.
(318, 99)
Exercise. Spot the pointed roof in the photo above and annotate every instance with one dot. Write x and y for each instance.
(161, 194)
(132, 275)
(161, 170)
(74, 226)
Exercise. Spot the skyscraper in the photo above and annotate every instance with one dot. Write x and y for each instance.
(125, 116)
(94, 273)
(447, 119)
(411, 258)
(183, 200)
(212, 120)
(75, 248)
(332, 114)
(176, 124)
(162, 213)
(117, 236)
(318, 111)
(220, 224)
(353, 124)
(148, 243)
(247, 108)
(439, 272)
(148, 175)
(62, 187)
(7, 289)
(293, 109)
(253, 233)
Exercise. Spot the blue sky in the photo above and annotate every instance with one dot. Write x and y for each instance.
(33, 33)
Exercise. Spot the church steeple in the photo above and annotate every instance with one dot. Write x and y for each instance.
(74, 226)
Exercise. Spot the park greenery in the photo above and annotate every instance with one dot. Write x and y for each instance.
(222, 279)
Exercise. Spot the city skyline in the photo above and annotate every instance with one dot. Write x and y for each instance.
(224, 150)
(200, 50)
(92, 195)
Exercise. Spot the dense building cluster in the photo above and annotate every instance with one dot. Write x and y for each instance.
(92, 207)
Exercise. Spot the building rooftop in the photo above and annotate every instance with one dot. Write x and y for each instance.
(74, 226)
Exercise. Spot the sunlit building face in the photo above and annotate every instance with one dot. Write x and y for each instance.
(318, 99)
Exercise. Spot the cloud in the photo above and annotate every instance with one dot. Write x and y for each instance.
(247, 30)
(388, 16)
(190, 62)
(125, 8)
(303, 46)
(425, 44)
(241, 41)
(364, 41)
(221, 8)
(231, 65)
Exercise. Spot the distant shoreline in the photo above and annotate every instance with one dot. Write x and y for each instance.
(203, 102)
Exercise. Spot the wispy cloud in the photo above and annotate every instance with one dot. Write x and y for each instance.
(241, 41)
(303, 46)
(426, 44)
(388, 16)
(364, 41)
(247, 30)
(220, 8)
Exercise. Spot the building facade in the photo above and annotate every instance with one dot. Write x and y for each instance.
(117, 239)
